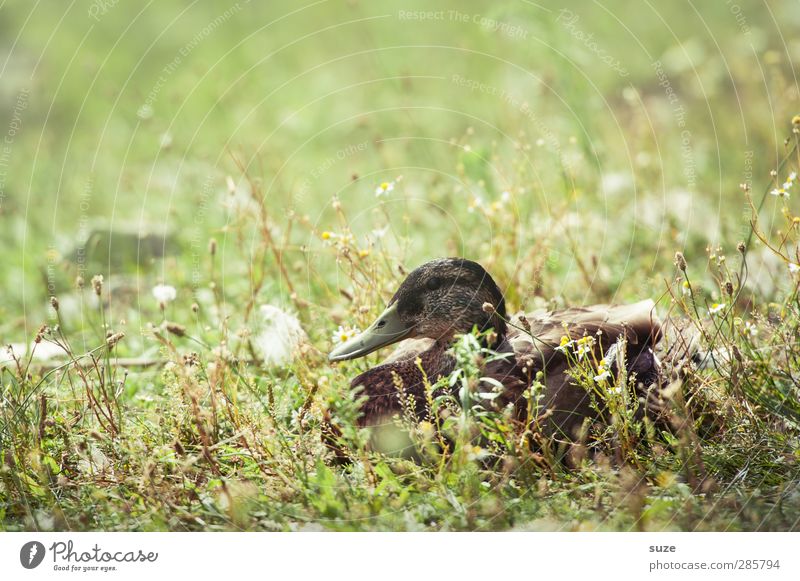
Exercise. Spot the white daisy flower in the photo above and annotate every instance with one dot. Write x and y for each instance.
(750, 329)
(780, 192)
(603, 373)
(342, 334)
(716, 308)
(384, 188)
(584, 346)
(565, 343)
(794, 268)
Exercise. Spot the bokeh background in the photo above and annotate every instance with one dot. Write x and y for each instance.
(631, 127)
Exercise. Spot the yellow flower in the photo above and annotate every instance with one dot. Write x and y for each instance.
(363, 253)
(326, 235)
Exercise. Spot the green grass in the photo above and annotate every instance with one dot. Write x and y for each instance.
(140, 119)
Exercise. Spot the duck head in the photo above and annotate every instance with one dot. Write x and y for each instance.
(438, 300)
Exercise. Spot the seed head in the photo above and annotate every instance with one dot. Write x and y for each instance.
(729, 288)
(680, 261)
(54, 303)
(97, 284)
(176, 329)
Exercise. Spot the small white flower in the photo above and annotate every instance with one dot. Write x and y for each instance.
(794, 268)
(474, 204)
(780, 192)
(602, 373)
(384, 188)
(164, 293)
(616, 390)
(583, 346)
(564, 344)
(343, 335)
(716, 308)
(505, 196)
(750, 329)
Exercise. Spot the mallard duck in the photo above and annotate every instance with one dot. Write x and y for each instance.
(451, 296)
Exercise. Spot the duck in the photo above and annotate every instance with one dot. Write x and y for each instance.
(448, 297)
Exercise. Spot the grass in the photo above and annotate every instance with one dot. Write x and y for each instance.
(234, 153)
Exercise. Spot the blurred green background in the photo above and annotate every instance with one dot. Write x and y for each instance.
(121, 121)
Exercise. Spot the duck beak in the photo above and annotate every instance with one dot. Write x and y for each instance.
(387, 329)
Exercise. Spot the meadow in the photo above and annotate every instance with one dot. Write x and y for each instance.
(198, 202)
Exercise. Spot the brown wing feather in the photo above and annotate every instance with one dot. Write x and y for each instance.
(567, 404)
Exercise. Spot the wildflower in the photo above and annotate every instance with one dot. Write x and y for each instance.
(750, 329)
(716, 308)
(343, 335)
(584, 346)
(363, 253)
(563, 344)
(326, 235)
(794, 268)
(276, 335)
(164, 294)
(780, 192)
(384, 188)
(476, 453)
(616, 390)
(474, 204)
(380, 232)
(505, 196)
(603, 373)
(685, 288)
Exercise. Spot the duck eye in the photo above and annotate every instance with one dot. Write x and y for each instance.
(434, 283)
